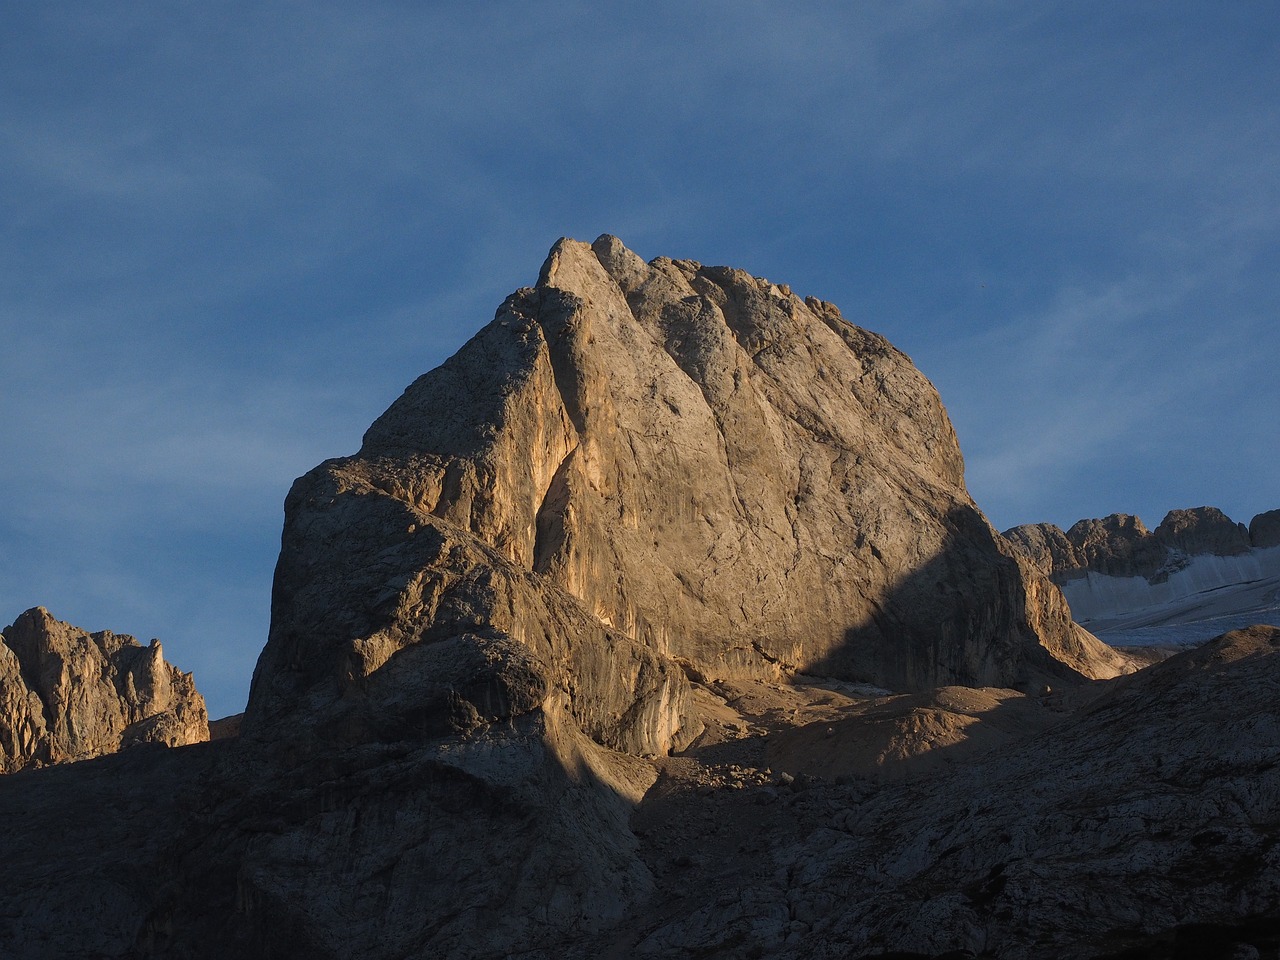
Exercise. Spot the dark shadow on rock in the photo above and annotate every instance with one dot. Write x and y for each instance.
(302, 848)
(964, 617)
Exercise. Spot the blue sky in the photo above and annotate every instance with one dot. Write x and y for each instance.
(233, 233)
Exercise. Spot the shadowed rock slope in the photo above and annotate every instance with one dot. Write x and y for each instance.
(66, 694)
(1138, 821)
(1134, 818)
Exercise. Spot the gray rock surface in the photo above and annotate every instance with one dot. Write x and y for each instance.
(1203, 530)
(1140, 814)
(1153, 807)
(66, 694)
(1198, 574)
(533, 686)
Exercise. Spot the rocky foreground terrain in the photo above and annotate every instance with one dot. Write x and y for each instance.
(658, 622)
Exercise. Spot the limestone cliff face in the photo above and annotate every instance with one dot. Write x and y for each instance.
(66, 694)
(684, 464)
(624, 508)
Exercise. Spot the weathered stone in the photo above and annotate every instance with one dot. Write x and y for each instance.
(1202, 530)
(1121, 546)
(1118, 545)
(1040, 827)
(615, 525)
(1045, 545)
(688, 461)
(66, 694)
(1264, 530)
(1199, 571)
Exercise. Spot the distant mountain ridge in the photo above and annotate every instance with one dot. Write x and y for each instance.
(1197, 567)
(1121, 545)
(67, 694)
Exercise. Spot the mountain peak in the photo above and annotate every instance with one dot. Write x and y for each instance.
(701, 464)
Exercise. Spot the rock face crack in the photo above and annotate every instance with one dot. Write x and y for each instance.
(551, 518)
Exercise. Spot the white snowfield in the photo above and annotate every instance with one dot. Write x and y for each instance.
(1209, 596)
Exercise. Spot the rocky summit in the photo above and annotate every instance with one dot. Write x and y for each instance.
(66, 694)
(687, 466)
(1120, 545)
(658, 622)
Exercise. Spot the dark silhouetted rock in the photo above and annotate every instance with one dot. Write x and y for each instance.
(1264, 530)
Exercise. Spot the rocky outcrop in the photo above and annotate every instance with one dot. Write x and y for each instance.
(675, 463)
(66, 694)
(1139, 823)
(638, 478)
(1120, 545)
(1264, 530)
(1047, 546)
(1195, 575)
(1133, 815)
(1203, 530)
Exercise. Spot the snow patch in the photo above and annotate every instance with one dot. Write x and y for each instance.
(1208, 596)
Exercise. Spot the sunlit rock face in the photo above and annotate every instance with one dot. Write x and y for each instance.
(637, 479)
(66, 694)
(609, 528)
(685, 463)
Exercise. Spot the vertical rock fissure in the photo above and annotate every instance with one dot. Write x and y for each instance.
(549, 522)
